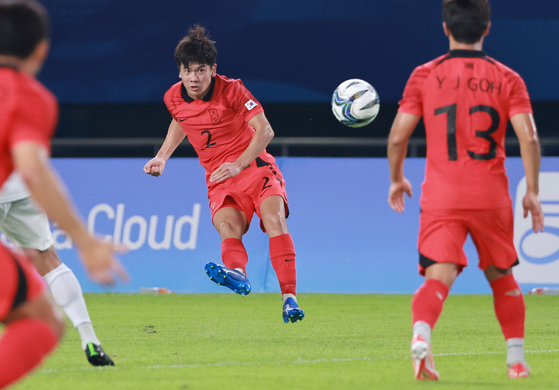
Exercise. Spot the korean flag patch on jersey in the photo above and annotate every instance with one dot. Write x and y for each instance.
(250, 104)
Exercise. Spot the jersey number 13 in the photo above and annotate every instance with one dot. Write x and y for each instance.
(450, 112)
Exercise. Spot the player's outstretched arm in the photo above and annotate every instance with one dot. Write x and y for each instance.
(262, 137)
(31, 160)
(525, 129)
(402, 129)
(175, 135)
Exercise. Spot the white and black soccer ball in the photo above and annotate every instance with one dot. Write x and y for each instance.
(355, 103)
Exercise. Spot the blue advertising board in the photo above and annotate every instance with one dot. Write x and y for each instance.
(347, 238)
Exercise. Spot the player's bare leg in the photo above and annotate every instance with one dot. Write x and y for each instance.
(231, 224)
(511, 312)
(31, 333)
(427, 305)
(282, 255)
(67, 294)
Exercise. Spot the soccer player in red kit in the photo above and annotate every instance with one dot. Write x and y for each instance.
(33, 324)
(227, 127)
(466, 99)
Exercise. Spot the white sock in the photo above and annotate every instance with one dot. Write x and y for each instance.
(285, 296)
(240, 270)
(515, 351)
(67, 294)
(422, 328)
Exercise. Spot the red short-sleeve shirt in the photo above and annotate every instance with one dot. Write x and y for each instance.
(217, 125)
(29, 113)
(466, 99)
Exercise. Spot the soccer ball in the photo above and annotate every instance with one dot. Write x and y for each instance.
(355, 103)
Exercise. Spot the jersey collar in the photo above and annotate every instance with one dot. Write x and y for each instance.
(9, 66)
(467, 54)
(206, 98)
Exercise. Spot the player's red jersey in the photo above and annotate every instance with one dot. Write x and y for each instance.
(29, 113)
(466, 99)
(217, 125)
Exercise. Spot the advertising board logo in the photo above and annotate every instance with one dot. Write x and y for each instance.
(135, 231)
(538, 254)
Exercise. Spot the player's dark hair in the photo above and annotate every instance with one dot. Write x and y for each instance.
(196, 48)
(23, 25)
(466, 20)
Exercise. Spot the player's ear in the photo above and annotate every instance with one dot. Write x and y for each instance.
(446, 30)
(214, 72)
(38, 56)
(41, 51)
(486, 30)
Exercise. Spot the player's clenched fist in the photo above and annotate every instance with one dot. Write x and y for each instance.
(155, 166)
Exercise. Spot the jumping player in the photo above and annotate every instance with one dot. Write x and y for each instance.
(227, 127)
(466, 99)
(27, 227)
(33, 324)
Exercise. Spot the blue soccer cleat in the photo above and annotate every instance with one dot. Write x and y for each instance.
(291, 311)
(228, 277)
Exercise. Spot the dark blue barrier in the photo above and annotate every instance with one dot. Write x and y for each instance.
(121, 51)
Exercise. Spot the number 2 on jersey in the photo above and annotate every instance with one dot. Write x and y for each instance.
(209, 143)
(450, 112)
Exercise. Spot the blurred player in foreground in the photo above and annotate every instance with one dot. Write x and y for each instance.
(33, 323)
(27, 227)
(229, 131)
(466, 99)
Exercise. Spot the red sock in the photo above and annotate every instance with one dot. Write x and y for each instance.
(234, 254)
(427, 302)
(509, 306)
(23, 346)
(282, 255)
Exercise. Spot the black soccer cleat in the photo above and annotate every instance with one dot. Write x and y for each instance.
(96, 356)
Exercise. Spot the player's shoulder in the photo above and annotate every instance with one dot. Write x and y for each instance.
(25, 83)
(224, 82)
(174, 92)
(25, 90)
(502, 68)
(424, 70)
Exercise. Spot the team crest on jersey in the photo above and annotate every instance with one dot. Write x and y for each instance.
(214, 116)
(250, 104)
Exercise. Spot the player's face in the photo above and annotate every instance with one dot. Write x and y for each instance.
(197, 78)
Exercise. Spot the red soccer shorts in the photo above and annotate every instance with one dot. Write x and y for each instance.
(443, 232)
(20, 282)
(248, 189)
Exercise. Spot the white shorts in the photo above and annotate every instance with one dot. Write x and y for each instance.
(25, 224)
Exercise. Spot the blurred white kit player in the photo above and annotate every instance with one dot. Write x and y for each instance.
(27, 227)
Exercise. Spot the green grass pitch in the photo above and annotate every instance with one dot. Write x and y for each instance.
(225, 341)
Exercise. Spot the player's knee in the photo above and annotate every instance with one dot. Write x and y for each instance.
(43, 261)
(229, 230)
(275, 225)
(493, 273)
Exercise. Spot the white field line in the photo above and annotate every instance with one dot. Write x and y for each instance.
(297, 361)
